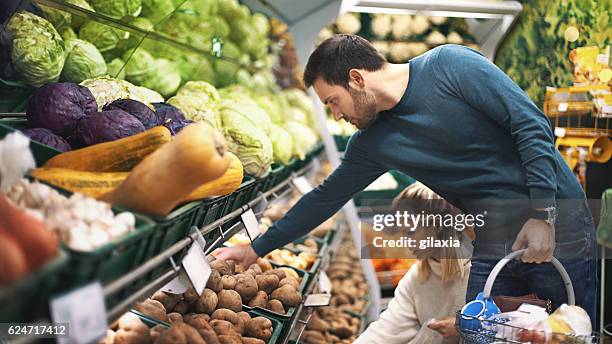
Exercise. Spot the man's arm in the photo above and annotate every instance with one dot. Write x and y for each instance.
(354, 173)
(470, 76)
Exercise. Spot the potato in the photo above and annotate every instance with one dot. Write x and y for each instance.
(229, 299)
(260, 300)
(132, 333)
(223, 267)
(314, 337)
(290, 273)
(229, 282)
(291, 281)
(279, 273)
(167, 299)
(342, 331)
(156, 331)
(244, 316)
(175, 317)
(214, 282)
(317, 324)
(182, 307)
(108, 338)
(207, 302)
(192, 335)
(287, 295)
(232, 317)
(264, 264)
(209, 336)
(190, 296)
(256, 268)
(222, 327)
(127, 318)
(153, 309)
(172, 336)
(275, 306)
(239, 269)
(199, 322)
(251, 340)
(187, 317)
(250, 272)
(228, 339)
(246, 287)
(259, 327)
(267, 283)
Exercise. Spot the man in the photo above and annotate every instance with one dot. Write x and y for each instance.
(454, 121)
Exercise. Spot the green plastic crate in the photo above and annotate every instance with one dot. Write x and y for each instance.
(275, 177)
(172, 228)
(14, 96)
(27, 299)
(242, 195)
(211, 210)
(315, 151)
(383, 197)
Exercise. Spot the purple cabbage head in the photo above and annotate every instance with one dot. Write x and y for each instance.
(166, 111)
(47, 137)
(137, 109)
(59, 107)
(176, 126)
(107, 126)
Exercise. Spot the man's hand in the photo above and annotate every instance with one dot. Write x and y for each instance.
(241, 254)
(445, 327)
(538, 237)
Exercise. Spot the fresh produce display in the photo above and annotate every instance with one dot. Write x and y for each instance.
(83, 61)
(106, 90)
(143, 113)
(302, 260)
(165, 177)
(82, 223)
(27, 243)
(106, 126)
(47, 137)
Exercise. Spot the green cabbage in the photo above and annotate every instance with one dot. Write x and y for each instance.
(299, 99)
(249, 109)
(79, 20)
(196, 109)
(225, 73)
(261, 24)
(59, 18)
(117, 8)
(106, 90)
(84, 61)
(165, 79)
(201, 89)
(248, 142)
(104, 37)
(115, 68)
(196, 67)
(268, 103)
(304, 138)
(145, 95)
(157, 10)
(68, 34)
(135, 39)
(282, 144)
(38, 49)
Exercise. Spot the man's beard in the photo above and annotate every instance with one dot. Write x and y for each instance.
(365, 108)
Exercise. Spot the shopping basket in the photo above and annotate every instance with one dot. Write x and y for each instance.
(497, 331)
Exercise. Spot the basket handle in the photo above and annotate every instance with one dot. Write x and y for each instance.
(569, 288)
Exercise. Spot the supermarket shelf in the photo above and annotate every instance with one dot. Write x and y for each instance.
(153, 263)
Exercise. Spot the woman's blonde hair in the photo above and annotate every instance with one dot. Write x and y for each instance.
(420, 198)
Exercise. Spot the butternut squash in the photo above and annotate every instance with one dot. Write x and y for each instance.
(114, 156)
(92, 184)
(167, 176)
(224, 185)
(96, 184)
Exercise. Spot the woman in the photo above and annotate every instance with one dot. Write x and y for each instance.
(427, 297)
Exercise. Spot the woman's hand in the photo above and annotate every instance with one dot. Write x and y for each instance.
(444, 326)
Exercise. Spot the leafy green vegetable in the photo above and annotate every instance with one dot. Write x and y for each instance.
(115, 68)
(201, 89)
(38, 49)
(59, 18)
(78, 20)
(157, 10)
(250, 110)
(83, 61)
(304, 138)
(104, 37)
(196, 109)
(282, 144)
(117, 8)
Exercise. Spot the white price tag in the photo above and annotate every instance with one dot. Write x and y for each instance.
(197, 267)
(178, 285)
(325, 285)
(251, 224)
(85, 312)
(302, 184)
(603, 58)
(563, 107)
(560, 132)
(315, 300)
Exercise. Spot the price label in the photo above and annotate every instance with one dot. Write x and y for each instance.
(217, 47)
(325, 285)
(302, 184)
(603, 58)
(178, 285)
(317, 300)
(251, 224)
(563, 107)
(197, 267)
(85, 312)
(560, 132)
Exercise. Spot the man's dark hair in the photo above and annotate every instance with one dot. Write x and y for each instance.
(336, 56)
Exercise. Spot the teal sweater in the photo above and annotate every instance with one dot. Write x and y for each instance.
(463, 128)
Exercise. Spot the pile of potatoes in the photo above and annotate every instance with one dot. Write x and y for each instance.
(349, 287)
(331, 325)
(222, 327)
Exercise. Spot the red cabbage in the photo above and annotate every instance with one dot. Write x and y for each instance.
(166, 111)
(59, 107)
(176, 126)
(137, 109)
(107, 126)
(47, 137)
